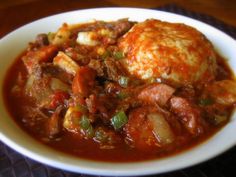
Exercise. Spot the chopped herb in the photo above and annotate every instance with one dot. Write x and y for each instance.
(84, 122)
(122, 95)
(152, 80)
(205, 102)
(86, 126)
(123, 81)
(105, 55)
(90, 132)
(118, 55)
(81, 108)
(119, 120)
(218, 119)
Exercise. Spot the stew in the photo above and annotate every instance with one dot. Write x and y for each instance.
(120, 90)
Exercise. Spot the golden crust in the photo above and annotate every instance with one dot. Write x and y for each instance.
(175, 52)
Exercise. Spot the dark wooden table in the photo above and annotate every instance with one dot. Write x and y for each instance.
(14, 13)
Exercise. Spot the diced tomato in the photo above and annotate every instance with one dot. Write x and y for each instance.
(58, 98)
(84, 81)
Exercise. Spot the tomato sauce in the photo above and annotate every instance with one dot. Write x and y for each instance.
(84, 117)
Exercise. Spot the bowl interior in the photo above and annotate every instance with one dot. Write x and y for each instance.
(15, 42)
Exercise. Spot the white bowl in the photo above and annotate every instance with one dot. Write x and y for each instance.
(11, 134)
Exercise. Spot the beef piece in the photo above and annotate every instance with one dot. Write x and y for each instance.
(112, 88)
(189, 114)
(91, 103)
(56, 72)
(187, 92)
(44, 54)
(101, 105)
(54, 123)
(122, 26)
(39, 89)
(98, 66)
(114, 69)
(84, 81)
(42, 40)
(42, 86)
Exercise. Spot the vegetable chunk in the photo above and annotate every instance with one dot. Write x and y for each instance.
(147, 128)
(66, 63)
(161, 128)
(119, 120)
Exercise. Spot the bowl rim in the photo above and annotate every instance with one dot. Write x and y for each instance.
(111, 168)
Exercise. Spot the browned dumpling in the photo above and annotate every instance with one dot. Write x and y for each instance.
(170, 51)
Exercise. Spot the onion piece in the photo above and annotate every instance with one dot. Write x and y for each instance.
(161, 128)
(87, 38)
(57, 84)
(61, 36)
(66, 63)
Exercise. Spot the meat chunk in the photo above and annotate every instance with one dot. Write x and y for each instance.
(189, 115)
(98, 66)
(114, 69)
(122, 26)
(44, 89)
(102, 104)
(102, 32)
(54, 123)
(92, 104)
(44, 54)
(42, 40)
(156, 93)
(55, 72)
(39, 89)
(83, 81)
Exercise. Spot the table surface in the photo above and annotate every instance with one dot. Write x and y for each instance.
(19, 12)
(14, 13)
